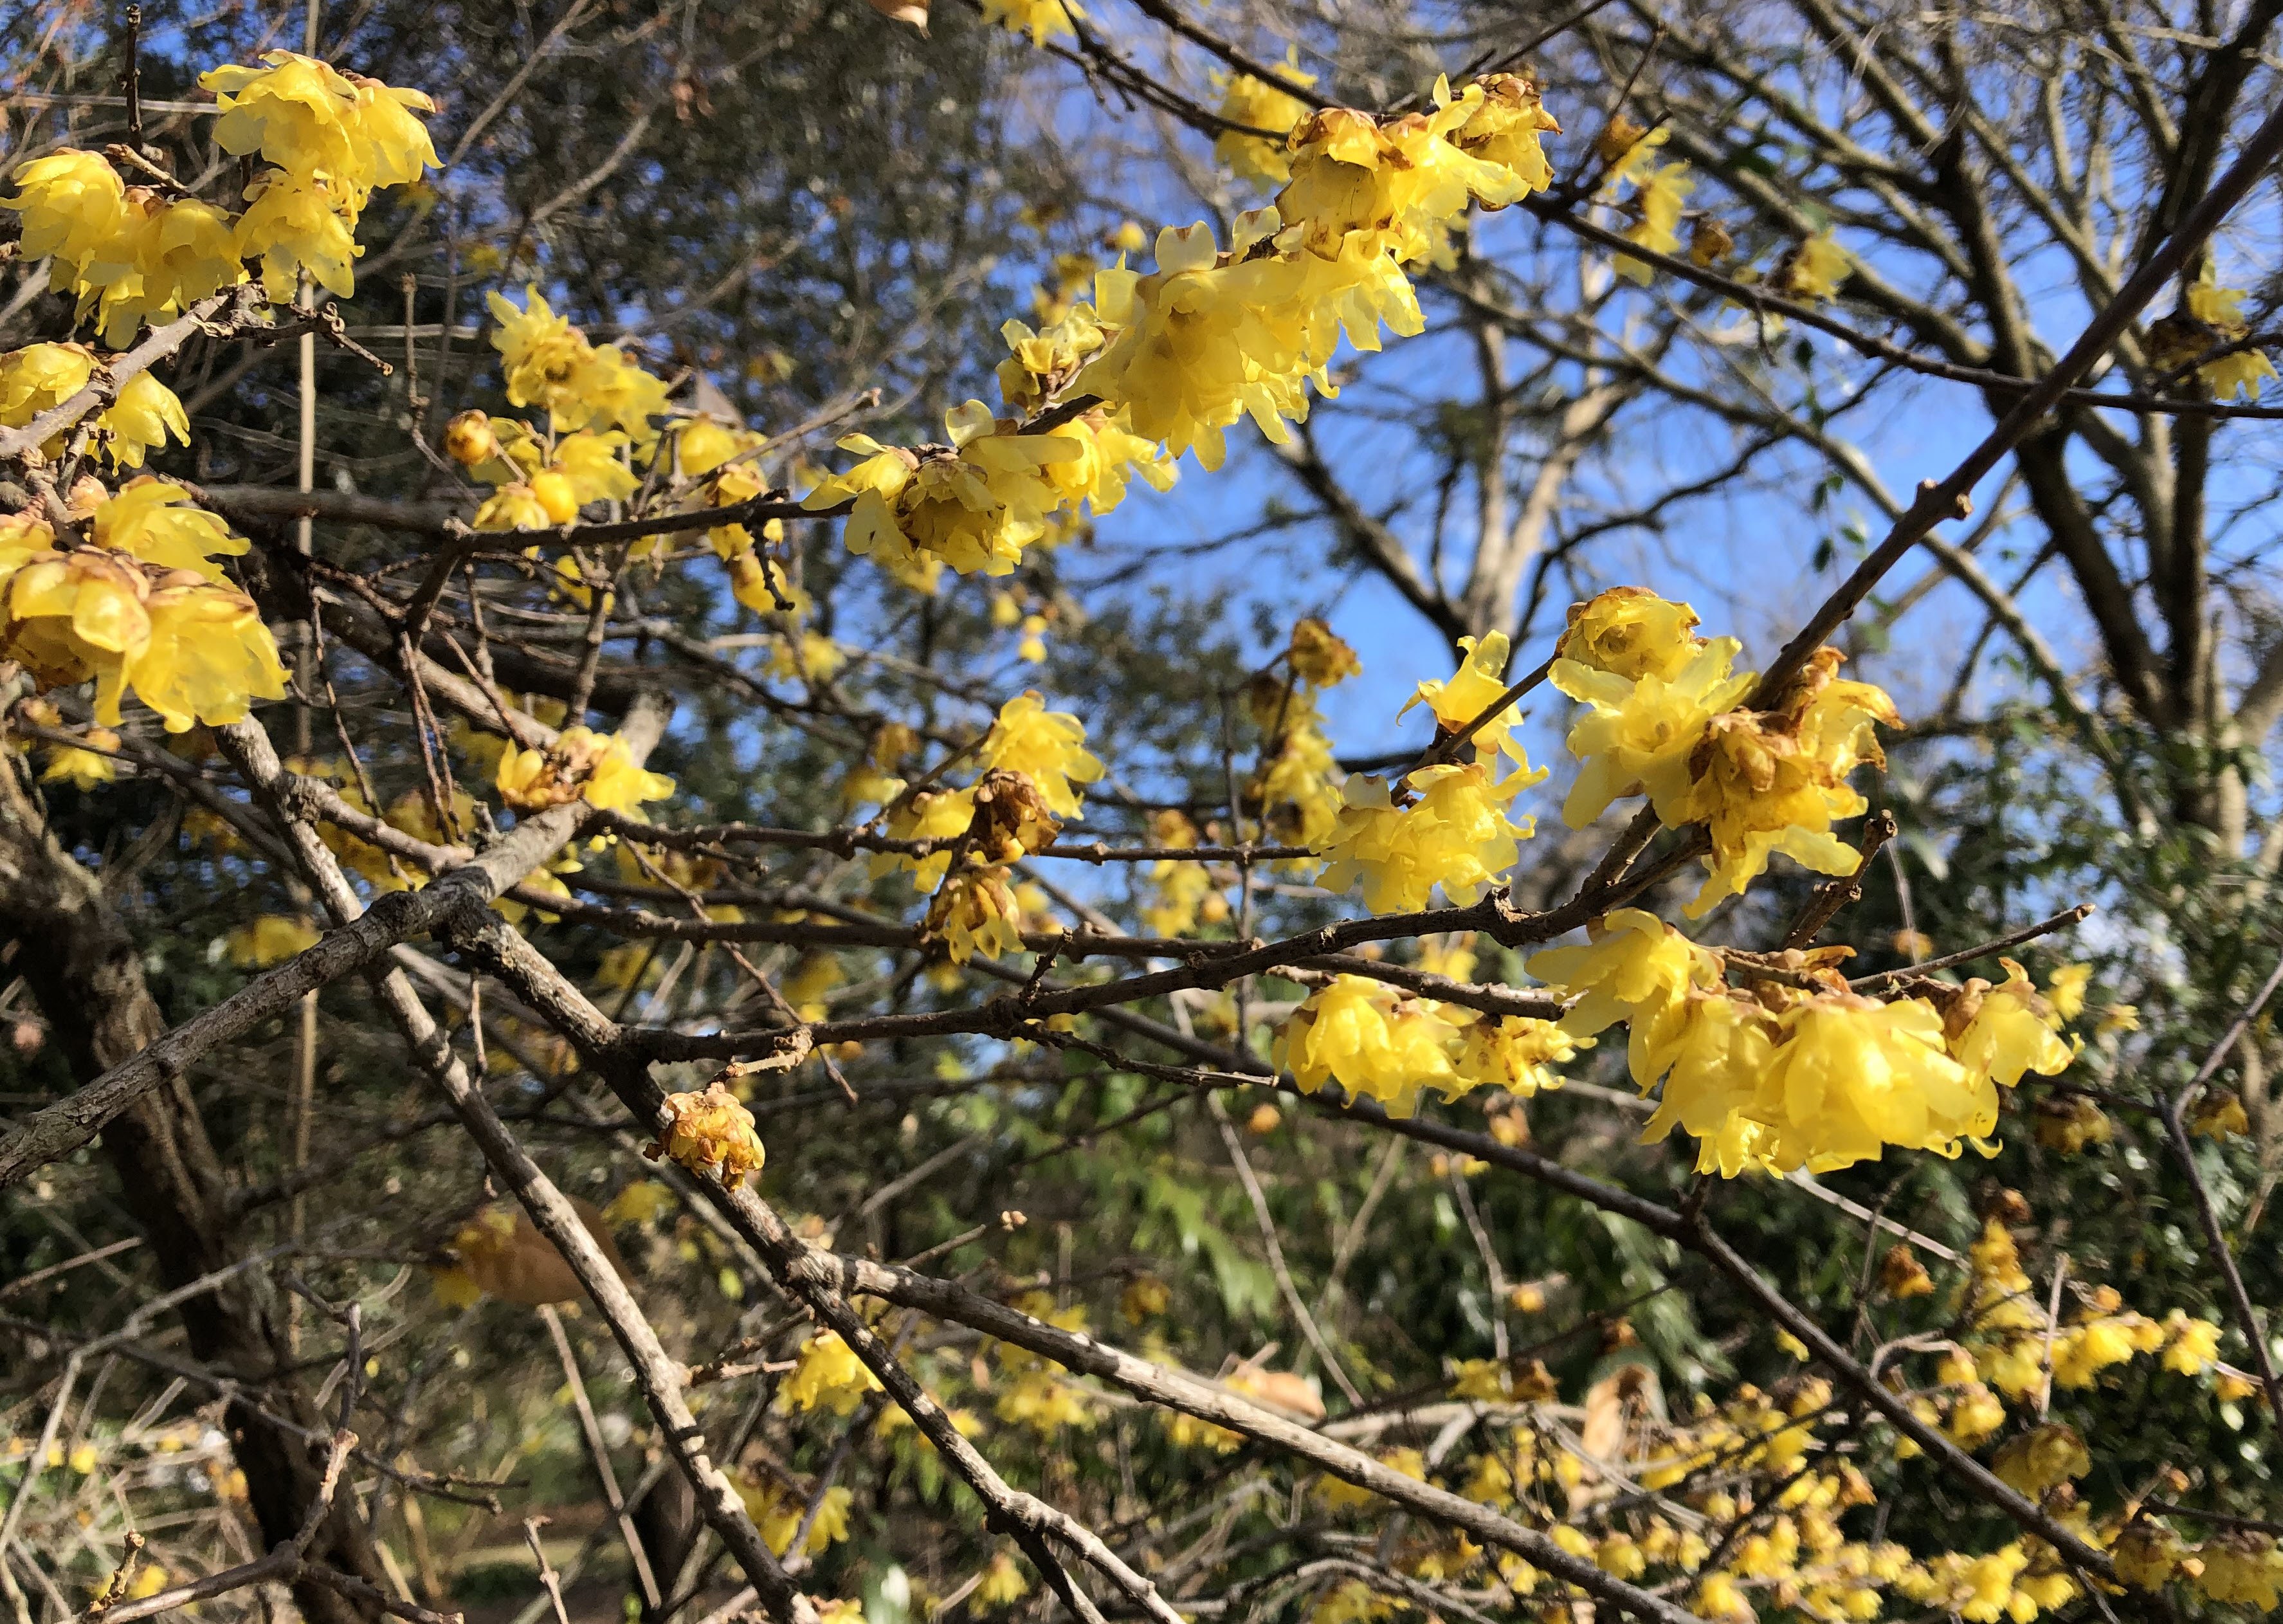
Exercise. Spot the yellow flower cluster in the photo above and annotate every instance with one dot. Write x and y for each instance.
(1782, 1075)
(1259, 104)
(538, 482)
(133, 255)
(581, 764)
(1173, 358)
(140, 417)
(548, 362)
(975, 505)
(1378, 1044)
(829, 1376)
(1659, 723)
(1456, 834)
(144, 608)
(1184, 893)
(710, 1133)
(1292, 788)
(2219, 311)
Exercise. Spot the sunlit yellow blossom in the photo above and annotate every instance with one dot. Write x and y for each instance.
(1635, 968)
(2038, 1459)
(1853, 1075)
(2220, 310)
(709, 1133)
(168, 255)
(581, 763)
(975, 912)
(1357, 1033)
(1816, 269)
(1259, 105)
(1047, 747)
(2243, 1566)
(1631, 632)
(1656, 205)
(209, 655)
(1002, 1583)
(147, 518)
(829, 1376)
(1368, 186)
(73, 202)
(1469, 691)
(974, 509)
(1507, 127)
(139, 418)
(2005, 1030)
(1515, 1052)
(83, 768)
(2191, 1346)
(1639, 735)
(294, 223)
(548, 362)
(2147, 1554)
(1457, 834)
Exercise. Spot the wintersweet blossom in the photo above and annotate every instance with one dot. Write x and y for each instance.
(1047, 747)
(709, 1133)
(1358, 1034)
(1457, 834)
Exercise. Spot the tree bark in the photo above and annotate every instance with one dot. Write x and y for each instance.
(86, 974)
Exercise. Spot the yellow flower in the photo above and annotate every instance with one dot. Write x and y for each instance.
(1041, 20)
(1047, 747)
(1506, 127)
(1658, 205)
(168, 254)
(294, 223)
(208, 655)
(2147, 1554)
(2243, 1566)
(975, 912)
(1260, 106)
(1363, 186)
(1469, 691)
(1711, 1052)
(1515, 1052)
(297, 112)
(1319, 657)
(80, 769)
(548, 362)
(2066, 990)
(515, 506)
(271, 939)
(1640, 733)
(40, 376)
(140, 418)
(1631, 632)
(1355, 1034)
(1002, 1583)
(710, 1133)
(1853, 1075)
(1456, 835)
(1635, 967)
(73, 203)
(2192, 1346)
(1045, 1404)
(2040, 1458)
(2005, 1030)
(2220, 309)
(975, 509)
(145, 519)
(581, 763)
(1816, 269)
(2219, 1114)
